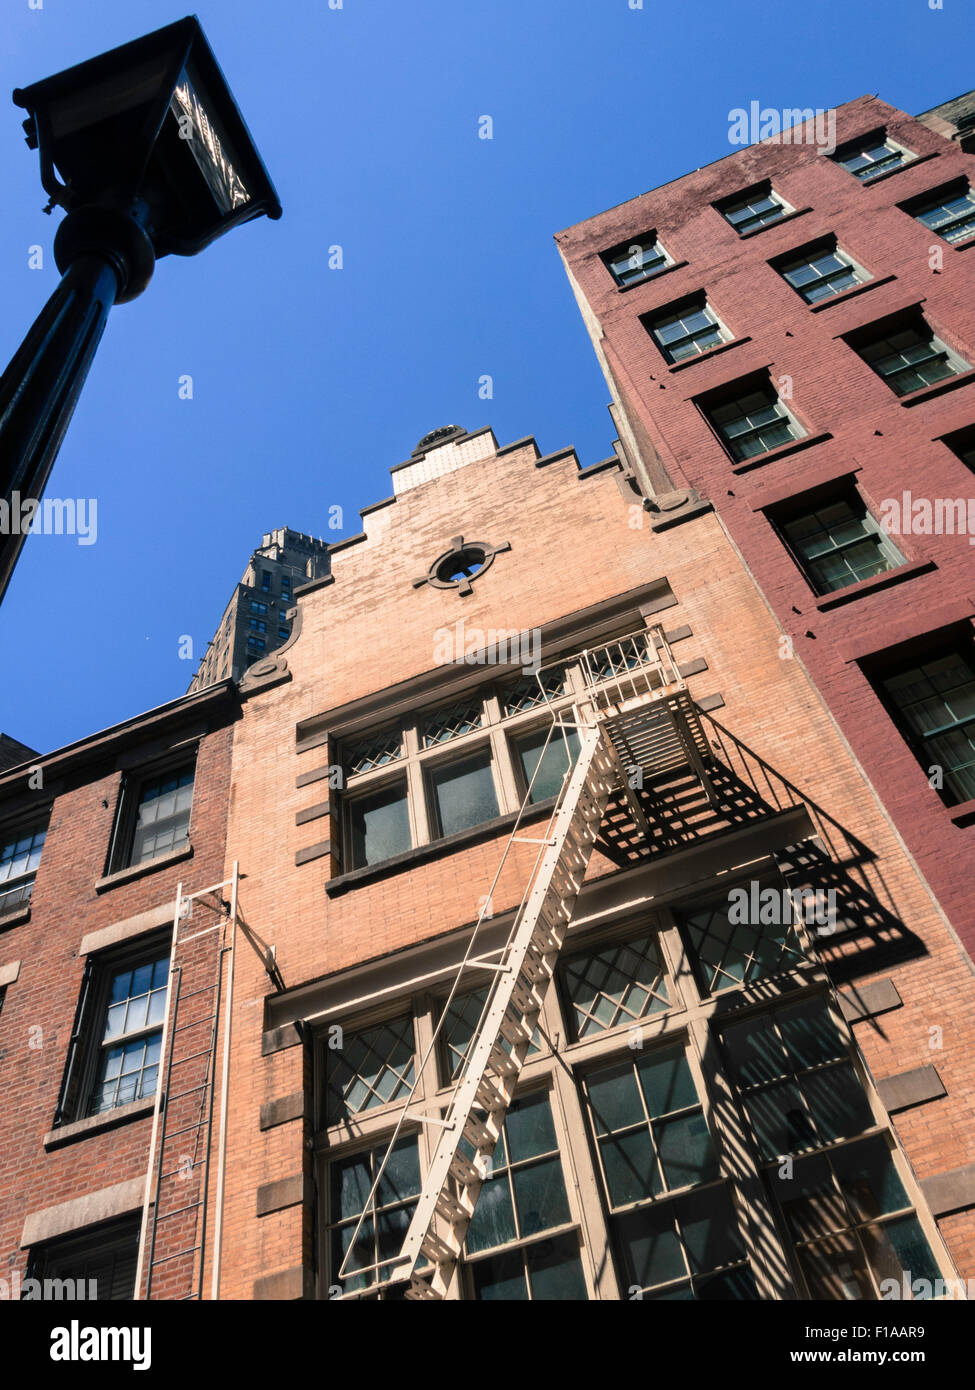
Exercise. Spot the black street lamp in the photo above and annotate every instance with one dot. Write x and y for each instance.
(154, 158)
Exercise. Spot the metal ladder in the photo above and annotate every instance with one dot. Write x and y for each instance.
(637, 713)
(177, 1178)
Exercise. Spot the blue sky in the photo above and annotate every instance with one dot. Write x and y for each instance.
(309, 383)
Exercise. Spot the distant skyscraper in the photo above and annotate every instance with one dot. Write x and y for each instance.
(255, 621)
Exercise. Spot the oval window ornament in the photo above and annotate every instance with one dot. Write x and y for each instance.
(458, 567)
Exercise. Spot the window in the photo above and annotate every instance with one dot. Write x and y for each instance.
(638, 260)
(868, 158)
(735, 943)
(950, 214)
(101, 1261)
(373, 1066)
(284, 633)
(154, 816)
(822, 272)
(463, 793)
(286, 586)
(962, 445)
(258, 624)
(546, 755)
(522, 1197)
(846, 1210)
(908, 356)
(619, 983)
(933, 702)
(445, 724)
(20, 856)
(687, 331)
(754, 423)
(256, 644)
(457, 1034)
(382, 1233)
(127, 1063)
(839, 543)
(266, 581)
(530, 691)
(378, 825)
(257, 606)
(758, 208)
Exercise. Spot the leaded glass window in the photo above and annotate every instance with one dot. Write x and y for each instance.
(950, 215)
(528, 692)
(522, 1197)
(910, 358)
(375, 750)
(459, 1028)
(738, 942)
(441, 725)
(796, 1080)
(754, 423)
(127, 1066)
(617, 984)
(381, 1234)
(651, 1133)
(20, 856)
(373, 1066)
(935, 701)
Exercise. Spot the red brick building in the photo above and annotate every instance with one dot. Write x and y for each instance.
(95, 839)
(789, 334)
(741, 1064)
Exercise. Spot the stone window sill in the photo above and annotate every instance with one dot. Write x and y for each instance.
(435, 849)
(901, 168)
(938, 388)
(97, 1124)
(651, 279)
(711, 352)
(783, 451)
(779, 221)
(876, 581)
(851, 293)
(963, 813)
(162, 861)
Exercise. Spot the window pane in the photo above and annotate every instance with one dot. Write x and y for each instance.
(615, 1099)
(869, 1179)
(650, 1250)
(835, 1269)
(373, 1066)
(838, 1102)
(494, 1219)
(900, 1247)
(709, 1227)
(463, 793)
(686, 1151)
(529, 1128)
(555, 1270)
(501, 1278)
(631, 1169)
(617, 984)
(540, 1196)
(554, 760)
(379, 826)
(666, 1081)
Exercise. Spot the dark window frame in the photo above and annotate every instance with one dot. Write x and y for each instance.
(49, 1259)
(130, 799)
(842, 490)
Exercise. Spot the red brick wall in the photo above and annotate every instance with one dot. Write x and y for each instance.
(893, 447)
(39, 1009)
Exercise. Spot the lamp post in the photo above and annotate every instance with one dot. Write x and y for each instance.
(154, 158)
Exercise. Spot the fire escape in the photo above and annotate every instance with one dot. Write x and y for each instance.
(636, 724)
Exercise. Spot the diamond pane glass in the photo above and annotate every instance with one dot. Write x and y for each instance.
(373, 1067)
(459, 1028)
(730, 953)
(442, 725)
(531, 691)
(376, 750)
(618, 984)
